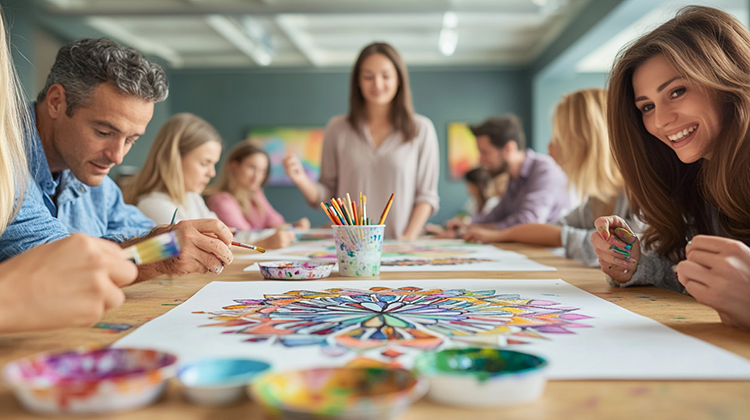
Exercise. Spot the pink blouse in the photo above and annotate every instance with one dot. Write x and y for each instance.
(228, 209)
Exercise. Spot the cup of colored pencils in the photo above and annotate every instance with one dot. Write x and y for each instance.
(359, 242)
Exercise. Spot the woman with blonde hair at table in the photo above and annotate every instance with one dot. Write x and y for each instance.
(580, 145)
(679, 124)
(68, 283)
(179, 166)
(381, 147)
(237, 197)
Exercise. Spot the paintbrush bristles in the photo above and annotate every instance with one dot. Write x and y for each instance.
(153, 249)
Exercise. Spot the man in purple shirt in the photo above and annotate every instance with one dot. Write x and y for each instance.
(537, 191)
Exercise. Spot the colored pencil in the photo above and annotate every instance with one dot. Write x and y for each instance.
(255, 247)
(154, 249)
(330, 216)
(387, 208)
(173, 216)
(335, 215)
(338, 210)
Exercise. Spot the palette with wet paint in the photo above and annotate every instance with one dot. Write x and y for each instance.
(218, 381)
(338, 393)
(295, 270)
(482, 377)
(89, 381)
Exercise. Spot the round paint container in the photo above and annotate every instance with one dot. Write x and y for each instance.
(295, 270)
(482, 377)
(218, 381)
(89, 381)
(338, 393)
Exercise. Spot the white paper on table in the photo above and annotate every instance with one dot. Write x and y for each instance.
(601, 340)
(426, 249)
(521, 264)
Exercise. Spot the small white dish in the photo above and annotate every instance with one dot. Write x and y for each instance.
(483, 377)
(218, 381)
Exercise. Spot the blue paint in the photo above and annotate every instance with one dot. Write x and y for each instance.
(220, 372)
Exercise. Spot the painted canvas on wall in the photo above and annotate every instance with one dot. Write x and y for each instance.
(332, 323)
(306, 143)
(463, 155)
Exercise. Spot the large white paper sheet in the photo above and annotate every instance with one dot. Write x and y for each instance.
(413, 256)
(302, 324)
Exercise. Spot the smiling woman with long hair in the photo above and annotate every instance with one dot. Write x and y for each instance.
(679, 123)
(380, 147)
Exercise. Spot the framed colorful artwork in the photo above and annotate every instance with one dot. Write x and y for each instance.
(306, 143)
(463, 155)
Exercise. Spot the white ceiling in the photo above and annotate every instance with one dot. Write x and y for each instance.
(324, 33)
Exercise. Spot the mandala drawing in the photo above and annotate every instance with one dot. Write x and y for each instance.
(342, 320)
(436, 261)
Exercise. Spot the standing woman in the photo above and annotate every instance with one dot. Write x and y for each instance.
(380, 147)
(679, 123)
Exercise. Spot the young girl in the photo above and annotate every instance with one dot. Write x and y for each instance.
(238, 199)
(178, 168)
(679, 125)
(381, 147)
(580, 146)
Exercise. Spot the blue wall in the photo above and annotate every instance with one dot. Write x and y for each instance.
(236, 101)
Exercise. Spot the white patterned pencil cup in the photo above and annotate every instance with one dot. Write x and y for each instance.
(358, 249)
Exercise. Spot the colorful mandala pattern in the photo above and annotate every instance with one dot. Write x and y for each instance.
(341, 320)
(436, 261)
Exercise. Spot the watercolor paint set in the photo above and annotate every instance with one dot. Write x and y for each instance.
(102, 380)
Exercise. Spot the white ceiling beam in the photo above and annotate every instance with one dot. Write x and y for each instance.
(112, 29)
(301, 40)
(235, 36)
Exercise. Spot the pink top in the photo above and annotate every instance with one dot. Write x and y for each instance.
(228, 209)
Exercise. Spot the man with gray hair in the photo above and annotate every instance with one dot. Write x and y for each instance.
(98, 99)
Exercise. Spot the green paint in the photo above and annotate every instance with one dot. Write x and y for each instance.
(170, 304)
(483, 363)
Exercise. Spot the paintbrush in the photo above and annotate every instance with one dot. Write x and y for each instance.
(257, 248)
(154, 249)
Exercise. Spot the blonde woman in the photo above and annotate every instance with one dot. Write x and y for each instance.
(64, 284)
(238, 199)
(178, 168)
(580, 146)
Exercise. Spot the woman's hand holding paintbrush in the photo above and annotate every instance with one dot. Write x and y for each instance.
(67, 283)
(617, 247)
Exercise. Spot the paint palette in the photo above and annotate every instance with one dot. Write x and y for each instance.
(362, 393)
(218, 381)
(482, 377)
(295, 270)
(89, 381)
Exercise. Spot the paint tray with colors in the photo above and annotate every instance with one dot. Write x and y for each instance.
(482, 377)
(364, 393)
(295, 270)
(89, 381)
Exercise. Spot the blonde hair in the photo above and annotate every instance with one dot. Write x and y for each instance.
(580, 126)
(710, 49)
(13, 169)
(162, 171)
(227, 181)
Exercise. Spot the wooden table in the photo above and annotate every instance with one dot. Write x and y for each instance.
(562, 399)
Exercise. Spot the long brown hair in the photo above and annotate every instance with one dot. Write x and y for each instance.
(579, 126)
(181, 134)
(227, 182)
(402, 109)
(711, 49)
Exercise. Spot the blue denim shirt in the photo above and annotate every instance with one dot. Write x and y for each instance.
(96, 211)
(32, 226)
